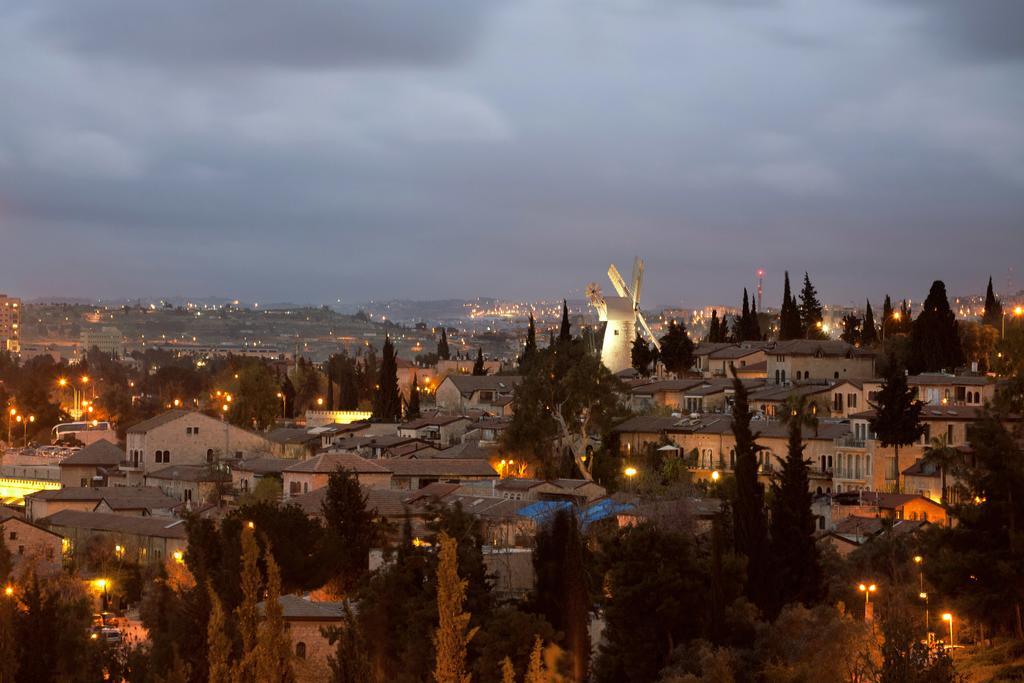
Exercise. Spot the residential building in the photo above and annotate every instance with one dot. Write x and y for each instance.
(490, 393)
(147, 540)
(247, 474)
(30, 546)
(441, 431)
(92, 465)
(941, 389)
(412, 473)
(313, 473)
(10, 323)
(802, 360)
(184, 437)
(192, 484)
(139, 501)
(306, 623)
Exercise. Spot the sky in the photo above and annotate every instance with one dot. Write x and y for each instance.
(376, 149)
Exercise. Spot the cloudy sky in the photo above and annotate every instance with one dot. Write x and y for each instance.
(400, 148)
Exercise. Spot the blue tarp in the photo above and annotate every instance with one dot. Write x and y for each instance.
(587, 515)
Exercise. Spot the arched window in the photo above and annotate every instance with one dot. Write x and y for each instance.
(300, 650)
(835, 375)
(783, 376)
(158, 456)
(732, 458)
(305, 487)
(209, 455)
(776, 376)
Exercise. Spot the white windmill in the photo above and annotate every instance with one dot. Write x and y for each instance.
(622, 313)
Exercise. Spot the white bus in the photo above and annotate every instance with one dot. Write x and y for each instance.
(67, 430)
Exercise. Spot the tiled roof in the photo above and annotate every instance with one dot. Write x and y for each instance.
(291, 435)
(160, 527)
(263, 465)
(927, 378)
(99, 453)
(813, 347)
(652, 388)
(439, 467)
(296, 608)
(513, 484)
(730, 352)
(188, 473)
(432, 421)
(157, 421)
(332, 462)
(381, 502)
(117, 497)
(468, 384)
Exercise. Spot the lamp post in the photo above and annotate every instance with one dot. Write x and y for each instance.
(630, 473)
(24, 428)
(919, 561)
(280, 395)
(11, 414)
(1017, 312)
(949, 617)
(867, 590)
(927, 625)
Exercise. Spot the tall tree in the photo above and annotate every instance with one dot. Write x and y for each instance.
(562, 594)
(810, 310)
(564, 333)
(993, 307)
(889, 326)
(349, 663)
(218, 642)
(530, 348)
(288, 394)
(851, 329)
(452, 636)
(945, 458)
(246, 614)
(714, 327)
(413, 410)
(349, 528)
(677, 348)
(478, 366)
(897, 420)
(330, 392)
(935, 335)
(868, 333)
(273, 645)
(790, 326)
(794, 552)
(387, 403)
(641, 356)
(749, 524)
(443, 352)
(754, 325)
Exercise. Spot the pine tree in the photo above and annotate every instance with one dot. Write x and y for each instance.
(677, 348)
(794, 552)
(273, 648)
(564, 333)
(413, 410)
(810, 310)
(897, 420)
(935, 335)
(851, 329)
(790, 326)
(387, 403)
(348, 527)
(218, 642)
(451, 637)
(750, 527)
(478, 366)
(993, 307)
(868, 333)
(443, 352)
(530, 349)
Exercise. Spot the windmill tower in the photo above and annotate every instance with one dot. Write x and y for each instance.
(621, 313)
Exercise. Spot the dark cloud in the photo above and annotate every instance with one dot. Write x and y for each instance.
(253, 33)
(982, 29)
(315, 151)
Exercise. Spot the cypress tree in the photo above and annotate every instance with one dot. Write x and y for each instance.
(349, 663)
(349, 529)
(810, 309)
(906, 320)
(413, 410)
(451, 638)
(868, 332)
(478, 365)
(749, 524)
(789, 315)
(530, 349)
(218, 642)
(273, 649)
(753, 326)
(387, 402)
(794, 552)
(889, 326)
(993, 307)
(935, 335)
(741, 325)
(443, 352)
(245, 614)
(564, 333)
(897, 420)
(713, 326)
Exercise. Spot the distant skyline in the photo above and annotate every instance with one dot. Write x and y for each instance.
(382, 149)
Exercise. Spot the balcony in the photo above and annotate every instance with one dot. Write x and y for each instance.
(852, 441)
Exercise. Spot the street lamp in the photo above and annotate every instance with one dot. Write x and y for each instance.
(1017, 312)
(10, 418)
(715, 476)
(949, 617)
(919, 561)
(867, 590)
(927, 625)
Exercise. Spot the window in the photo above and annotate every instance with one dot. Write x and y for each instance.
(294, 488)
(300, 647)
(195, 430)
(209, 455)
(851, 400)
(21, 550)
(158, 457)
(188, 495)
(305, 487)
(949, 435)
(188, 430)
(13, 535)
(837, 401)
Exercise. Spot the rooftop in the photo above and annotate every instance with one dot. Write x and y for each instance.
(332, 462)
(160, 527)
(100, 453)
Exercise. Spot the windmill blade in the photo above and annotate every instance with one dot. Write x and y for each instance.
(638, 276)
(618, 282)
(647, 328)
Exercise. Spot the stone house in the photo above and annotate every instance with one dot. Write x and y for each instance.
(90, 465)
(412, 473)
(247, 474)
(147, 540)
(184, 437)
(30, 546)
(193, 484)
(313, 473)
(305, 622)
(492, 394)
(440, 431)
(801, 360)
(140, 501)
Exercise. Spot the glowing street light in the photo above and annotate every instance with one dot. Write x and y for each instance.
(949, 617)
(867, 590)
(927, 626)
(9, 590)
(715, 476)
(630, 471)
